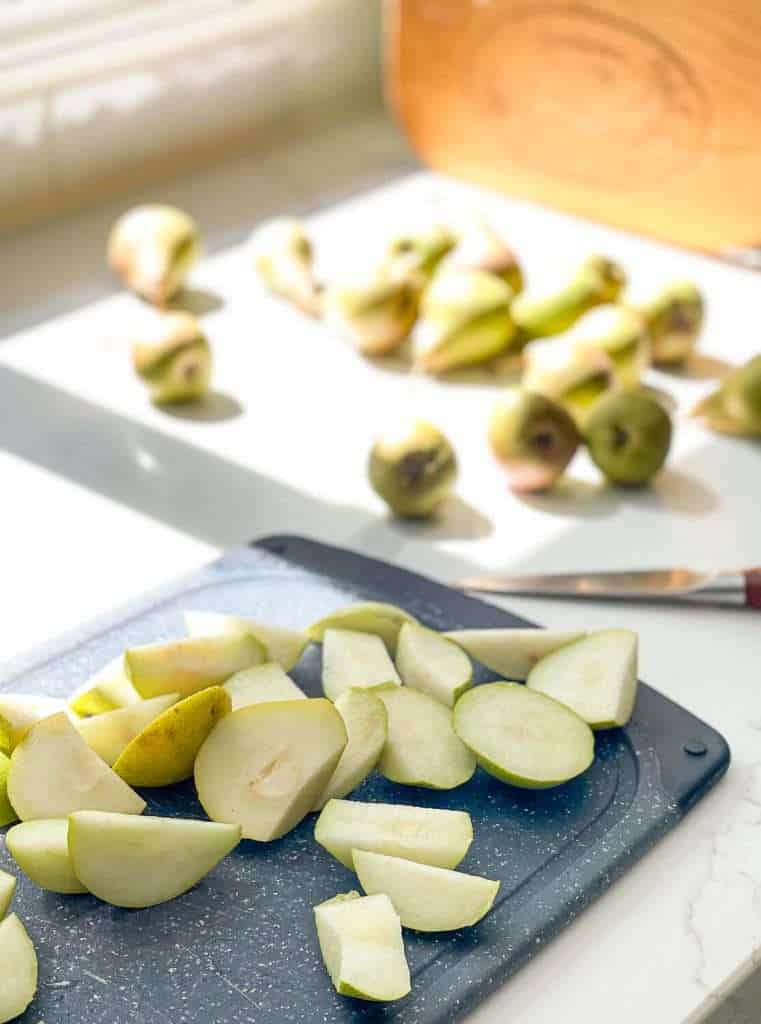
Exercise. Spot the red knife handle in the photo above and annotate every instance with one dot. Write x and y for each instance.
(753, 588)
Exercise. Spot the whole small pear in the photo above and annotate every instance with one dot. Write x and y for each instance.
(533, 437)
(413, 467)
(628, 435)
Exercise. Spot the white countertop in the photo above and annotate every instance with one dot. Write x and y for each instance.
(104, 496)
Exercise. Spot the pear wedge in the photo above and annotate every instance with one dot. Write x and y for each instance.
(7, 889)
(511, 653)
(164, 752)
(263, 767)
(108, 690)
(427, 899)
(53, 772)
(110, 732)
(141, 862)
(423, 834)
(596, 677)
(361, 943)
(432, 664)
(7, 814)
(355, 660)
(284, 646)
(366, 722)
(20, 711)
(187, 666)
(18, 969)
(261, 684)
(383, 620)
(41, 850)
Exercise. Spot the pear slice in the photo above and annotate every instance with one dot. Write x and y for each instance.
(18, 969)
(264, 766)
(7, 814)
(187, 666)
(366, 722)
(20, 711)
(383, 620)
(596, 677)
(511, 653)
(110, 732)
(432, 664)
(361, 943)
(7, 889)
(141, 862)
(165, 751)
(261, 684)
(41, 850)
(107, 690)
(522, 737)
(423, 834)
(281, 645)
(351, 659)
(422, 748)
(53, 772)
(427, 899)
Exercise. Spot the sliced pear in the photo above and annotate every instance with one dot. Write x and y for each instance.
(354, 660)
(261, 684)
(383, 620)
(7, 889)
(141, 862)
(427, 899)
(53, 772)
(165, 751)
(596, 677)
(7, 814)
(511, 653)
(107, 690)
(281, 645)
(187, 666)
(110, 732)
(264, 766)
(366, 722)
(20, 711)
(432, 664)
(41, 850)
(523, 737)
(18, 969)
(361, 942)
(423, 834)
(422, 748)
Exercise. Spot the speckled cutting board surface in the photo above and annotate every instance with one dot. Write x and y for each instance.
(241, 946)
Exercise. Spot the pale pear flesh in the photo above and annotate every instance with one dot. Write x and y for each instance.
(366, 721)
(41, 850)
(108, 690)
(281, 645)
(511, 653)
(109, 733)
(18, 969)
(381, 619)
(261, 684)
(20, 711)
(355, 660)
(432, 664)
(189, 665)
(7, 889)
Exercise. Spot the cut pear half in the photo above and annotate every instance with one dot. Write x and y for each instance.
(187, 666)
(281, 645)
(41, 850)
(422, 748)
(423, 834)
(523, 737)
(107, 690)
(366, 722)
(261, 684)
(355, 660)
(596, 677)
(110, 732)
(383, 620)
(53, 772)
(7, 813)
(361, 943)
(18, 969)
(427, 899)
(141, 862)
(432, 664)
(20, 711)
(7, 889)
(511, 653)
(263, 767)
(164, 752)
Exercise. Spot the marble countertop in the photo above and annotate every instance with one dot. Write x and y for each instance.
(105, 496)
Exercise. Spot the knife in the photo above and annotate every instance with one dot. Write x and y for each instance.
(741, 589)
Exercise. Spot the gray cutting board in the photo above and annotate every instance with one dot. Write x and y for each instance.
(241, 947)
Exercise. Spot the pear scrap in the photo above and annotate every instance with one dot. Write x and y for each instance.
(355, 660)
(263, 767)
(189, 665)
(426, 899)
(511, 653)
(7, 814)
(18, 969)
(164, 752)
(427, 835)
(422, 748)
(41, 850)
(282, 645)
(20, 711)
(107, 690)
(109, 733)
(261, 684)
(152, 248)
(383, 620)
(431, 663)
(366, 721)
(141, 862)
(7, 889)
(596, 677)
(53, 772)
(361, 942)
